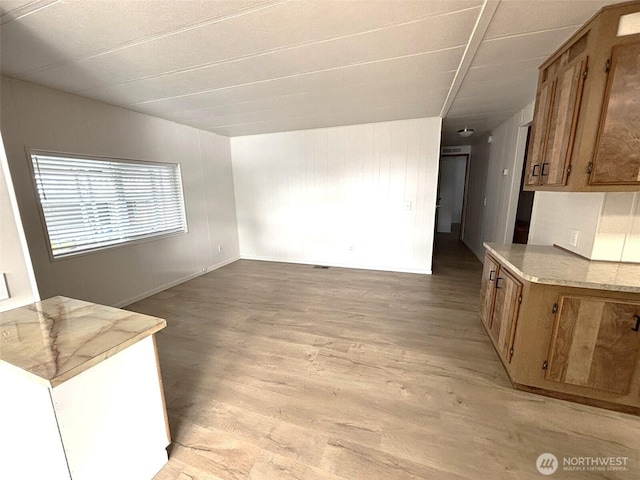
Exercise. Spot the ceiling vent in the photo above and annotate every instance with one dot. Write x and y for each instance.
(455, 150)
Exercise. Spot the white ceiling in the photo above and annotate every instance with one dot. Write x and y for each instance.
(241, 67)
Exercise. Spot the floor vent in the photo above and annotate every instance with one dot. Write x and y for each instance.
(321, 266)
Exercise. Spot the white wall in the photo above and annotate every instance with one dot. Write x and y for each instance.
(336, 196)
(618, 234)
(631, 249)
(555, 214)
(14, 255)
(492, 199)
(608, 224)
(46, 119)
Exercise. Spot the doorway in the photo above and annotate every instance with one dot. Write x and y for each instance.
(452, 189)
(525, 204)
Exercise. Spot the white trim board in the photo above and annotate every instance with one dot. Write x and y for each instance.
(167, 286)
(338, 265)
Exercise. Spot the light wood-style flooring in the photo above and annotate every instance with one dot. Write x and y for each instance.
(283, 371)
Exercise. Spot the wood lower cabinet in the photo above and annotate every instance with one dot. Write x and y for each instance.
(595, 343)
(573, 343)
(505, 313)
(488, 289)
(500, 302)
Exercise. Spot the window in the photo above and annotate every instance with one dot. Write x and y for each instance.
(90, 203)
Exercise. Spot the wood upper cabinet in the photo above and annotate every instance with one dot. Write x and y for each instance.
(539, 133)
(617, 158)
(595, 343)
(562, 124)
(555, 124)
(586, 121)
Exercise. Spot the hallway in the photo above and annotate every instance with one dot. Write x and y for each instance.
(449, 252)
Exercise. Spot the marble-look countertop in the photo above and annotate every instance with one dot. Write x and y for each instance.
(56, 339)
(554, 266)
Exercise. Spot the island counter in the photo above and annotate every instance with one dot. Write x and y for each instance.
(564, 326)
(81, 393)
(554, 266)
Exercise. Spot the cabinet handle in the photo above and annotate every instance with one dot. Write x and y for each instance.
(542, 172)
(491, 275)
(497, 280)
(637, 327)
(533, 171)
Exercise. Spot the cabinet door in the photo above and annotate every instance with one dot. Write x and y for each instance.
(562, 124)
(617, 158)
(505, 314)
(111, 417)
(539, 134)
(487, 289)
(594, 343)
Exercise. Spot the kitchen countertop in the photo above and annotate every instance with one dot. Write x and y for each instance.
(56, 339)
(554, 266)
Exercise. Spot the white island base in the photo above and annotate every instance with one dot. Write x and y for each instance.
(107, 422)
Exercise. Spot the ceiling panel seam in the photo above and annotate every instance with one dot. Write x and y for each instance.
(301, 74)
(25, 10)
(279, 111)
(482, 115)
(294, 117)
(533, 32)
(509, 63)
(156, 36)
(283, 49)
(305, 93)
(479, 30)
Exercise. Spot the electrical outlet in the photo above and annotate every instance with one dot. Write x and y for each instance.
(219, 248)
(407, 205)
(573, 241)
(352, 248)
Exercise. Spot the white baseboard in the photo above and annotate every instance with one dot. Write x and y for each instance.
(480, 257)
(338, 265)
(166, 286)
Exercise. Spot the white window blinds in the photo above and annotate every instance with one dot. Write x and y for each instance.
(92, 203)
